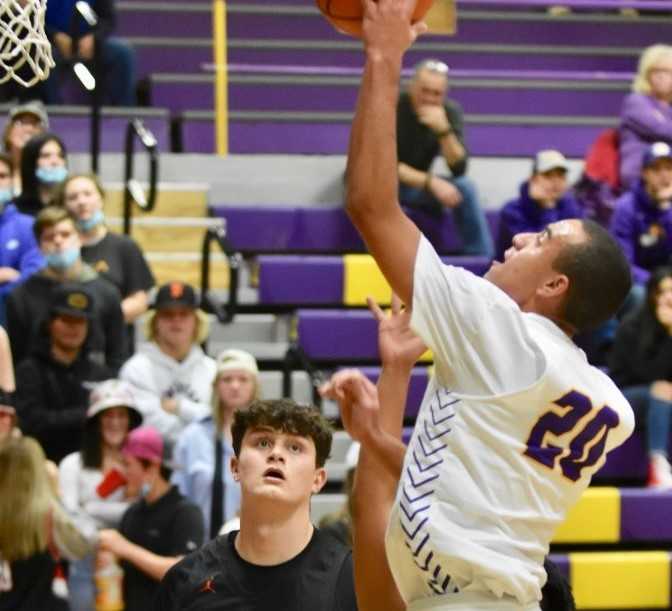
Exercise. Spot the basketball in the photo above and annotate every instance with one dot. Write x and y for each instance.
(346, 15)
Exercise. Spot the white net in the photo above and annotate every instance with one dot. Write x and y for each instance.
(25, 51)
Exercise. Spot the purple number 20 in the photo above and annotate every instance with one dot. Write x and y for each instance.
(594, 433)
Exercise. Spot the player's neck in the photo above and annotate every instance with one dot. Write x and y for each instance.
(268, 538)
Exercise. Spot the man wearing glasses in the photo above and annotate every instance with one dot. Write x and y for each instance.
(429, 125)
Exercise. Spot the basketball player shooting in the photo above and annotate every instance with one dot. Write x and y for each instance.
(514, 422)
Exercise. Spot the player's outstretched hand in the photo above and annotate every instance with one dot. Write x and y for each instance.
(387, 28)
(357, 398)
(397, 342)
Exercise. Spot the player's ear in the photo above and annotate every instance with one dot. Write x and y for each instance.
(555, 286)
(319, 479)
(234, 469)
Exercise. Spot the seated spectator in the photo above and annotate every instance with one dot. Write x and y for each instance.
(116, 257)
(54, 382)
(19, 255)
(204, 448)
(641, 365)
(116, 56)
(172, 377)
(543, 199)
(23, 122)
(92, 481)
(278, 559)
(429, 125)
(646, 115)
(157, 530)
(28, 303)
(7, 409)
(642, 220)
(35, 532)
(44, 167)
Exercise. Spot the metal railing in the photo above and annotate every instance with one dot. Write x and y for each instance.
(133, 191)
(297, 360)
(225, 313)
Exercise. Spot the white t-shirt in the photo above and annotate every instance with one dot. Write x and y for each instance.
(511, 429)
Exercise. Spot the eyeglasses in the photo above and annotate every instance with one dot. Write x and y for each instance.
(434, 65)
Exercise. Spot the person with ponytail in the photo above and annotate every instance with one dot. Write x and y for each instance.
(116, 257)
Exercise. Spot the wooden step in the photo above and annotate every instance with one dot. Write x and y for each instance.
(157, 234)
(173, 200)
(186, 266)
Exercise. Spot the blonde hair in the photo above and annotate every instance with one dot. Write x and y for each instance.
(59, 200)
(216, 403)
(25, 499)
(647, 60)
(202, 326)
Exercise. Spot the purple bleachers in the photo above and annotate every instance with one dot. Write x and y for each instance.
(486, 136)
(481, 97)
(73, 125)
(416, 389)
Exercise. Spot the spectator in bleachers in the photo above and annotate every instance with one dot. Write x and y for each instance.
(23, 122)
(642, 220)
(54, 382)
(115, 257)
(157, 530)
(646, 115)
(28, 303)
(92, 480)
(543, 199)
(278, 559)
(19, 255)
(7, 387)
(172, 377)
(43, 169)
(204, 449)
(428, 125)
(641, 365)
(35, 532)
(117, 56)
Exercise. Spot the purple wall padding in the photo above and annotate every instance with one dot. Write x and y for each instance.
(628, 461)
(645, 514)
(293, 280)
(562, 562)
(338, 334)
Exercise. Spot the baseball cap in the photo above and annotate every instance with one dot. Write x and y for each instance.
(549, 159)
(237, 359)
(658, 150)
(34, 108)
(71, 299)
(175, 294)
(145, 442)
(114, 393)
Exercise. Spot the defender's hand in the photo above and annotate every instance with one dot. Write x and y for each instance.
(387, 28)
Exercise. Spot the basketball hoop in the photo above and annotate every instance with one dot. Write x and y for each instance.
(23, 42)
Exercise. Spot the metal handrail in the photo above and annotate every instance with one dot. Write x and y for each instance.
(297, 359)
(133, 191)
(225, 313)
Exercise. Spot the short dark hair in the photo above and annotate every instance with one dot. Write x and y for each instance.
(50, 216)
(599, 277)
(289, 417)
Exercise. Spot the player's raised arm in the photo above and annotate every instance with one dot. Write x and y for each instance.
(372, 201)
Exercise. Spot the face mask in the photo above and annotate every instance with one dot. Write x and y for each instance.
(5, 196)
(62, 260)
(144, 489)
(51, 176)
(86, 225)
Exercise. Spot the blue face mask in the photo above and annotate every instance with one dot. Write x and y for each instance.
(62, 260)
(86, 225)
(51, 176)
(6, 195)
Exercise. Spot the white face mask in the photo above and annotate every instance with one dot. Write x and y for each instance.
(144, 489)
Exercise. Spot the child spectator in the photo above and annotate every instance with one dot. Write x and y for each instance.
(157, 530)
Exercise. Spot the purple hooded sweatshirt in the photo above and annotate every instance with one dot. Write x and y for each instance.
(643, 230)
(644, 120)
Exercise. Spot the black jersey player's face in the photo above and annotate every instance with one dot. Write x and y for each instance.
(527, 270)
(278, 466)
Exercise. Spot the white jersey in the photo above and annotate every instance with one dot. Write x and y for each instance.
(511, 429)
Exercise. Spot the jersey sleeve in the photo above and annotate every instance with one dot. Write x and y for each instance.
(477, 333)
(188, 530)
